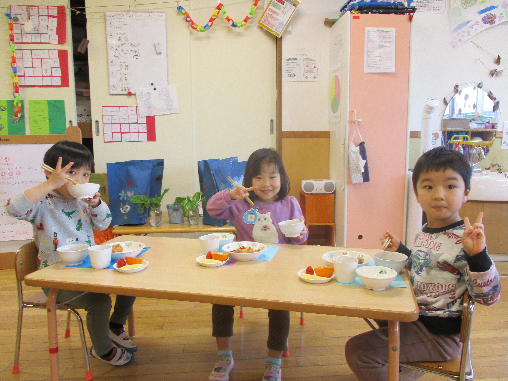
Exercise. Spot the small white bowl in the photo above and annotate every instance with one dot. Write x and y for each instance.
(291, 228)
(225, 238)
(376, 278)
(391, 259)
(100, 256)
(87, 190)
(328, 257)
(244, 257)
(73, 254)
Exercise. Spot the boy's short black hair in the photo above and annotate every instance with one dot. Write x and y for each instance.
(253, 168)
(440, 159)
(69, 151)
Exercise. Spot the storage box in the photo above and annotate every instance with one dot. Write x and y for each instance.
(456, 124)
(318, 208)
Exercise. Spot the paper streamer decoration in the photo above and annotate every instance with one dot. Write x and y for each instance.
(219, 8)
(15, 84)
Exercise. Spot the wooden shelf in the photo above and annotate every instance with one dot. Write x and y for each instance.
(319, 212)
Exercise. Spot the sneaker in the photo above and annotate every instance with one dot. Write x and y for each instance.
(221, 369)
(122, 340)
(119, 357)
(272, 373)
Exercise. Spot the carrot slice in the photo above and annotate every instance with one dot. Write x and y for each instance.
(133, 260)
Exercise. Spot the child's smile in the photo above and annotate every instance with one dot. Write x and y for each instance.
(267, 183)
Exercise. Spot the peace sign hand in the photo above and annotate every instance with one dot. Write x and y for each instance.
(473, 239)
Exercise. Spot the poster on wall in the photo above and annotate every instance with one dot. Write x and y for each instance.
(47, 117)
(18, 172)
(10, 125)
(42, 67)
(39, 24)
(429, 6)
(379, 56)
(277, 14)
(137, 52)
(159, 100)
(468, 18)
(335, 96)
(301, 67)
(123, 124)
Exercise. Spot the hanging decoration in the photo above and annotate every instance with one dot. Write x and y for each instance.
(219, 8)
(15, 84)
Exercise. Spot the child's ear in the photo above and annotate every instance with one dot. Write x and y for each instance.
(466, 193)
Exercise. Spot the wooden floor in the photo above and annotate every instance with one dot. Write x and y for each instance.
(175, 343)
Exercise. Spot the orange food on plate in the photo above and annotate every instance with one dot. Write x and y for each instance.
(133, 260)
(220, 256)
(326, 272)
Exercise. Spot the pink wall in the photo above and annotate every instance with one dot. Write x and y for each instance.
(381, 102)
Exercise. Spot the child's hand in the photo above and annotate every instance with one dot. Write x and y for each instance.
(93, 202)
(394, 243)
(473, 239)
(59, 176)
(304, 230)
(240, 192)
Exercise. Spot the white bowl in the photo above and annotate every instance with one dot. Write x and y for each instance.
(87, 190)
(129, 249)
(100, 256)
(328, 257)
(225, 238)
(391, 259)
(244, 257)
(291, 228)
(73, 254)
(376, 278)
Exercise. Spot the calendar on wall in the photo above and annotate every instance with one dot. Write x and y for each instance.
(42, 67)
(38, 24)
(123, 124)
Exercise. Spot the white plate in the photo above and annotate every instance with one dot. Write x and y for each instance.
(130, 271)
(243, 257)
(217, 264)
(328, 257)
(130, 249)
(314, 280)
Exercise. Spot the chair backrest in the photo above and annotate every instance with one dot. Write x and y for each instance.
(467, 318)
(25, 260)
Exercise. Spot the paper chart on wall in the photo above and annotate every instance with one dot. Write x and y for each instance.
(18, 172)
(137, 50)
(123, 124)
(301, 67)
(42, 67)
(159, 100)
(38, 24)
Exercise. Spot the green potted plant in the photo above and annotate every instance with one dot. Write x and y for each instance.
(153, 205)
(190, 205)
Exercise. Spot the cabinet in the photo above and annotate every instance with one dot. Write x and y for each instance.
(378, 103)
(319, 211)
(486, 135)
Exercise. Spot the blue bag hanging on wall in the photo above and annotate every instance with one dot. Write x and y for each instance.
(213, 177)
(129, 178)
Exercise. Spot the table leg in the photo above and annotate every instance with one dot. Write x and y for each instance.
(393, 350)
(53, 336)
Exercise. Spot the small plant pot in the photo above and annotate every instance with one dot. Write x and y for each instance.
(155, 216)
(175, 214)
(193, 216)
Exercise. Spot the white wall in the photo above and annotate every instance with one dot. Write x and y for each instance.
(435, 66)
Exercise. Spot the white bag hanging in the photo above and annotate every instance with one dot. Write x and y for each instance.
(356, 163)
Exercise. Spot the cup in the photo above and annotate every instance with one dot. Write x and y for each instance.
(209, 242)
(345, 268)
(100, 256)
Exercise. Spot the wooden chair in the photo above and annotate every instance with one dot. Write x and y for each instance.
(461, 366)
(24, 264)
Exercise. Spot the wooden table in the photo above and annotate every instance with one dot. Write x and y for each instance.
(173, 274)
(166, 227)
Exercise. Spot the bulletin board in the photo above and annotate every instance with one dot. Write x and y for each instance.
(20, 169)
(137, 53)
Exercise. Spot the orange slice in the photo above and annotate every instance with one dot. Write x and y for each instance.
(326, 272)
(220, 256)
(133, 260)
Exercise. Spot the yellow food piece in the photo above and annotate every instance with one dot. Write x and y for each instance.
(308, 276)
(326, 272)
(209, 260)
(129, 267)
